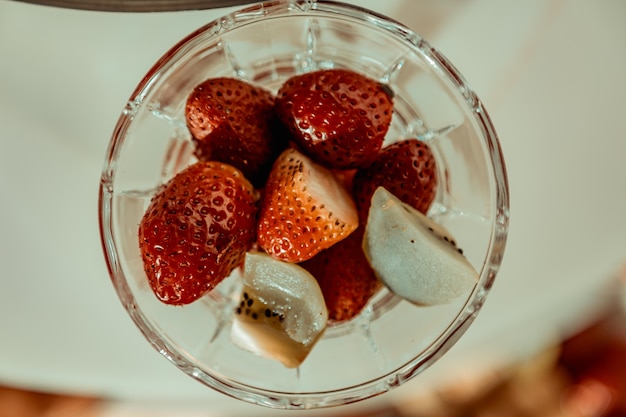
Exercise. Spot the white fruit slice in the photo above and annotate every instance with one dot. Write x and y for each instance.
(282, 312)
(412, 255)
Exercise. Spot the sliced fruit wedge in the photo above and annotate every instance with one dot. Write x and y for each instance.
(304, 209)
(414, 257)
(282, 313)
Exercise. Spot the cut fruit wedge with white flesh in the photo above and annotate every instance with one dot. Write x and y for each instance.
(282, 313)
(414, 257)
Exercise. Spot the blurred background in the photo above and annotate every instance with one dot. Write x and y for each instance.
(551, 339)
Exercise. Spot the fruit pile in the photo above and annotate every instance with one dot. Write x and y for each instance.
(298, 192)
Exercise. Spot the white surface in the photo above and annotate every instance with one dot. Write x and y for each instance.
(551, 74)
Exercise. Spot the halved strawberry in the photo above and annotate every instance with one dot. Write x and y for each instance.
(196, 230)
(345, 277)
(407, 169)
(339, 117)
(345, 177)
(233, 121)
(304, 209)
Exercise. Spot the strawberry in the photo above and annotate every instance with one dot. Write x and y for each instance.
(407, 169)
(345, 277)
(233, 121)
(339, 117)
(345, 177)
(304, 209)
(196, 230)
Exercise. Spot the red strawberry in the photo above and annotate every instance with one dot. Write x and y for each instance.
(339, 117)
(196, 230)
(234, 122)
(407, 169)
(344, 276)
(304, 209)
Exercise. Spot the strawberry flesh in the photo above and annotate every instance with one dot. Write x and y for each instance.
(339, 117)
(196, 230)
(233, 121)
(407, 169)
(304, 209)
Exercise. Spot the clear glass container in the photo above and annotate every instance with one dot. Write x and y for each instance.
(392, 341)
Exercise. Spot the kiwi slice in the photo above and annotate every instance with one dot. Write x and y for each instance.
(413, 256)
(281, 313)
